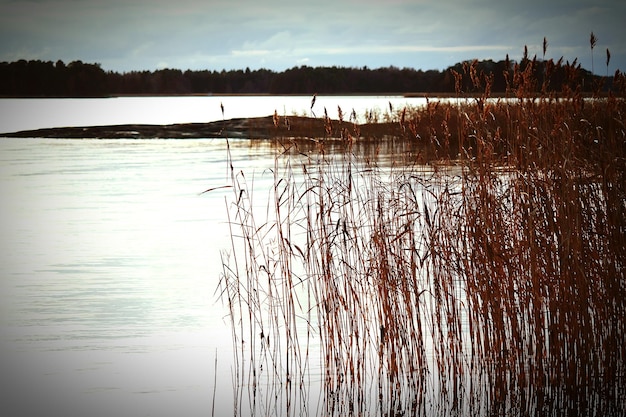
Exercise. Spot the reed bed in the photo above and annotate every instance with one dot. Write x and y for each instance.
(480, 271)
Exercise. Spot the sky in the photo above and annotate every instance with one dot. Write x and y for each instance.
(133, 35)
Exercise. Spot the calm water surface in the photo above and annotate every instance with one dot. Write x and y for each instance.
(110, 262)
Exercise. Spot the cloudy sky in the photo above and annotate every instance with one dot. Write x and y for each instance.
(126, 35)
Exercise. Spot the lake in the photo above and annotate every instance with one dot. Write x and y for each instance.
(111, 256)
(325, 283)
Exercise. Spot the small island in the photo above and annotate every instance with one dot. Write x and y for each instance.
(268, 127)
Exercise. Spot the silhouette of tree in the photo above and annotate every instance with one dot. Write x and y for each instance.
(78, 79)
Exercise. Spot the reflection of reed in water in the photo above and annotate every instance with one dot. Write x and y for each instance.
(490, 282)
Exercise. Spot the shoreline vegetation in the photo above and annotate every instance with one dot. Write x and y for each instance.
(490, 283)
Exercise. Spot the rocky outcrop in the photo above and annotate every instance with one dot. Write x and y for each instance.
(251, 128)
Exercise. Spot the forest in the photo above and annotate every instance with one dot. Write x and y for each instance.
(37, 78)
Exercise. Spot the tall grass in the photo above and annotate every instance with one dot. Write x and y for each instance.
(480, 272)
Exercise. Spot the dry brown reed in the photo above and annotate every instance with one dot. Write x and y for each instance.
(480, 272)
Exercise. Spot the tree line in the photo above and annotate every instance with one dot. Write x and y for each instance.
(36, 78)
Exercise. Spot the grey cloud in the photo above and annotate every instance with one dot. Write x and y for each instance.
(123, 34)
